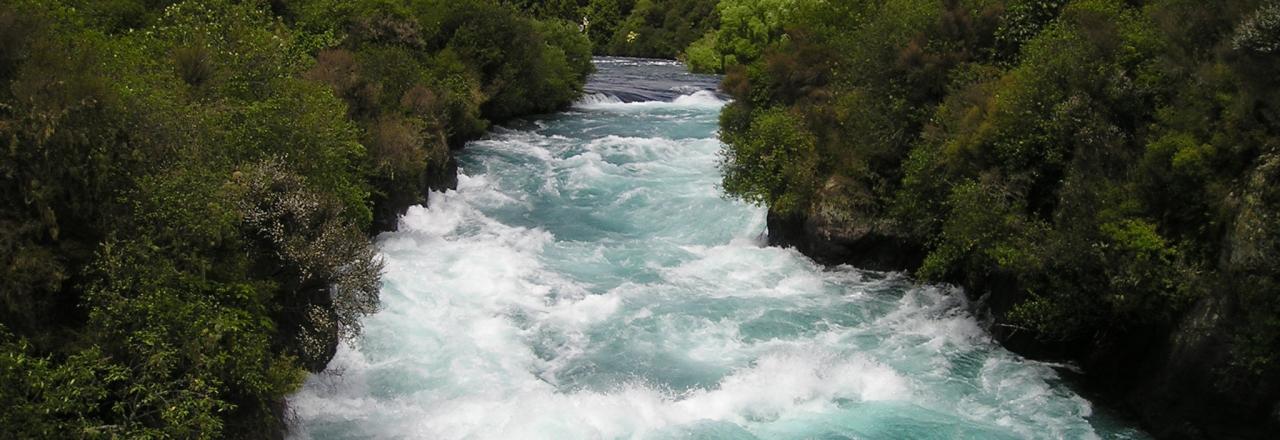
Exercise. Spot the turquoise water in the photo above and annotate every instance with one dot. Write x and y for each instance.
(587, 280)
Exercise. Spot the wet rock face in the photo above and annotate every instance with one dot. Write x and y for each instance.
(1171, 397)
(1253, 242)
(1193, 385)
(1224, 352)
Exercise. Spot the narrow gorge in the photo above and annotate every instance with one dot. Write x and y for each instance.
(588, 279)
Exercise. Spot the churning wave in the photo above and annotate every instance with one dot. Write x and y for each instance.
(705, 99)
(597, 99)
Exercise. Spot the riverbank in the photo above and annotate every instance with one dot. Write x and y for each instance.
(1099, 176)
(1166, 378)
(187, 190)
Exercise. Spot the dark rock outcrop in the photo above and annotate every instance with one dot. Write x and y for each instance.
(841, 228)
(386, 215)
(862, 247)
(312, 332)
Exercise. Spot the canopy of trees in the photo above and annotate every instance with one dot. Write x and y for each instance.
(635, 28)
(187, 189)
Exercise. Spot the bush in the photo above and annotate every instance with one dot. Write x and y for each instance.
(774, 162)
(307, 237)
(662, 28)
(1259, 33)
(701, 55)
(46, 397)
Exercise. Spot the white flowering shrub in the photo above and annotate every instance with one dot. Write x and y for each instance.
(1261, 32)
(312, 240)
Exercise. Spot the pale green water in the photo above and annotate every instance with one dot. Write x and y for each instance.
(588, 281)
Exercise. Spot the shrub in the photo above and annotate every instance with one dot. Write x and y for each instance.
(774, 162)
(309, 237)
(701, 55)
(1260, 32)
(46, 397)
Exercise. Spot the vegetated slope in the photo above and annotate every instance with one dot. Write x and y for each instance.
(633, 28)
(1104, 174)
(187, 188)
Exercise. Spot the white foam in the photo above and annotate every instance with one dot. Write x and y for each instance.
(777, 387)
(636, 62)
(785, 383)
(700, 100)
(597, 99)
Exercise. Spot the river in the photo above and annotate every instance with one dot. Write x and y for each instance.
(588, 280)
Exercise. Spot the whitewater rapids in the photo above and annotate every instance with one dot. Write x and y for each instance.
(588, 280)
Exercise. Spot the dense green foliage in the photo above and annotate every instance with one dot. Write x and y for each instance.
(746, 29)
(434, 73)
(634, 28)
(1110, 163)
(187, 188)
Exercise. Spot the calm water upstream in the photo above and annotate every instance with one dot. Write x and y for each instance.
(587, 280)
